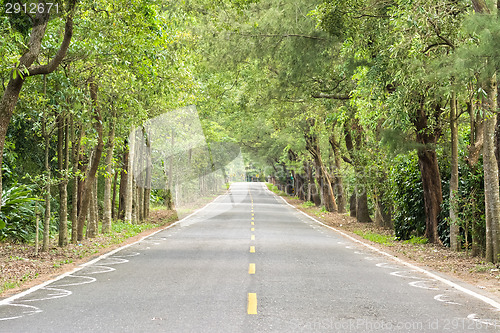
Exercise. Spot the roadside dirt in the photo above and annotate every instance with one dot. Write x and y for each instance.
(436, 258)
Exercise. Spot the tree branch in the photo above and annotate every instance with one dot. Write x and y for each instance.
(438, 34)
(63, 49)
(26, 12)
(331, 96)
(284, 36)
(435, 45)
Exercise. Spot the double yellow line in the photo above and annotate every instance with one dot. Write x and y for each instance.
(252, 297)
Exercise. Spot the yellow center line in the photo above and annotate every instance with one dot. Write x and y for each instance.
(253, 218)
(252, 303)
(252, 237)
(252, 229)
(252, 249)
(253, 223)
(251, 269)
(253, 214)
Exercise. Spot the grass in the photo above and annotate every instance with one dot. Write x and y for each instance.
(483, 267)
(377, 238)
(274, 188)
(308, 204)
(416, 240)
(14, 284)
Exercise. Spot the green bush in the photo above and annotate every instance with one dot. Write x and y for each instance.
(407, 197)
(17, 214)
(308, 204)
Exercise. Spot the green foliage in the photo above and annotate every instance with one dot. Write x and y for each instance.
(407, 197)
(17, 213)
(416, 240)
(469, 203)
(308, 204)
(125, 230)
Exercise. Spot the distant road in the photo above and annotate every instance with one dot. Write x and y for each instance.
(247, 262)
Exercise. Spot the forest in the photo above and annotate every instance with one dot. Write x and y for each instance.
(385, 110)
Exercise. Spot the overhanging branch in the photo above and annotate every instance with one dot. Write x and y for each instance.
(63, 49)
(332, 96)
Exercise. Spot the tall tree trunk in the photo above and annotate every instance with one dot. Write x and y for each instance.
(491, 185)
(46, 136)
(46, 221)
(91, 219)
(113, 199)
(362, 211)
(322, 176)
(490, 165)
(123, 182)
(454, 228)
(168, 170)
(75, 198)
(147, 187)
(108, 178)
(87, 190)
(63, 165)
(474, 151)
(359, 199)
(130, 177)
(429, 168)
(339, 184)
(11, 93)
(352, 204)
(139, 167)
(383, 216)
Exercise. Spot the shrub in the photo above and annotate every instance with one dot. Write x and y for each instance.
(407, 197)
(17, 214)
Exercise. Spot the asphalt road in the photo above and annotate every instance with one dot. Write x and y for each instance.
(247, 263)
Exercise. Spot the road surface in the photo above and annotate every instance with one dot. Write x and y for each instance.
(247, 262)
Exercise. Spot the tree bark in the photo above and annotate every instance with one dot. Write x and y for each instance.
(123, 182)
(87, 190)
(139, 167)
(339, 183)
(454, 228)
(476, 136)
(113, 199)
(491, 185)
(490, 164)
(147, 187)
(352, 204)
(108, 178)
(75, 198)
(362, 211)
(91, 219)
(63, 165)
(130, 178)
(428, 136)
(383, 216)
(46, 220)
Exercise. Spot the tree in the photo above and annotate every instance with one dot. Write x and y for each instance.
(25, 68)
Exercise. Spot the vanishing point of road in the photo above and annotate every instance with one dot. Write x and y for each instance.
(248, 262)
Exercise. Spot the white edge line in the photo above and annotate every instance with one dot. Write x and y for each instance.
(88, 263)
(419, 269)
